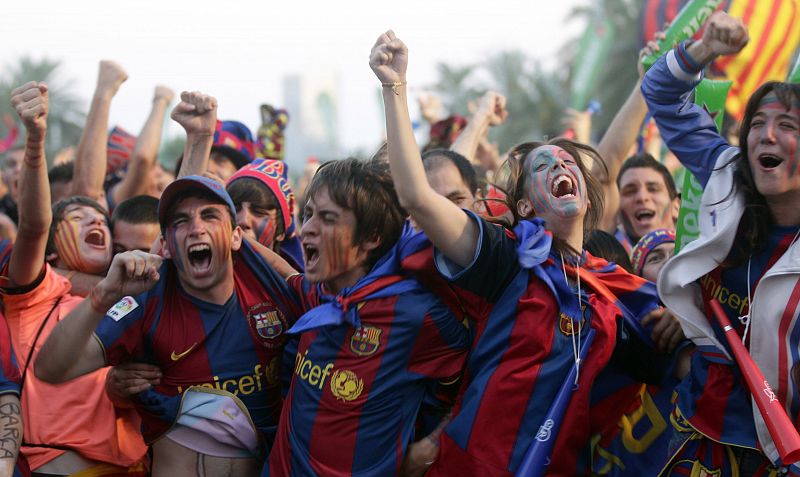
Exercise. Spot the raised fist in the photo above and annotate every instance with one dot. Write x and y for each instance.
(725, 35)
(389, 58)
(30, 103)
(196, 112)
(163, 93)
(130, 273)
(110, 77)
(493, 104)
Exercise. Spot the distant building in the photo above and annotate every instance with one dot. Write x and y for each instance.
(312, 103)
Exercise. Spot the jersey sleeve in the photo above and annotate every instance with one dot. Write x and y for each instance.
(121, 331)
(441, 345)
(9, 371)
(305, 292)
(687, 128)
(494, 265)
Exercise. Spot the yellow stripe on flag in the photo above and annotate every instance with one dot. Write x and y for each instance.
(774, 36)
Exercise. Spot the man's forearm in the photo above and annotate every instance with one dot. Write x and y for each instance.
(10, 433)
(144, 154)
(196, 154)
(467, 142)
(64, 355)
(91, 157)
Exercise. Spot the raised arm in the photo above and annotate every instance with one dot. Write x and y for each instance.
(92, 156)
(197, 114)
(30, 101)
(616, 143)
(70, 351)
(688, 130)
(136, 180)
(491, 112)
(447, 226)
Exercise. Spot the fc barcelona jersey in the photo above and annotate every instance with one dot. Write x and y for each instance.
(355, 392)
(233, 347)
(525, 324)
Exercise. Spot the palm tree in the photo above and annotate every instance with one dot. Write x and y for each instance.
(66, 115)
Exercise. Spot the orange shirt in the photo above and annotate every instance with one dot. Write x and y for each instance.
(77, 414)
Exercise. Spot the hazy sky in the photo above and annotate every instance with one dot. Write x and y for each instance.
(240, 51)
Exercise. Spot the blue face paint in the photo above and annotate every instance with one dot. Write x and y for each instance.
(556, 183)
(172, 247)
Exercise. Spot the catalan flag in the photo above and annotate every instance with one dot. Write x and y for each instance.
(774, 27)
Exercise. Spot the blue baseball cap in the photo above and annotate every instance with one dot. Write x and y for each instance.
(180, 186)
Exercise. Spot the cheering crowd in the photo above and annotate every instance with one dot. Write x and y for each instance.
(421, 312)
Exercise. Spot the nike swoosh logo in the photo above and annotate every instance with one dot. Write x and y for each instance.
(176, 357)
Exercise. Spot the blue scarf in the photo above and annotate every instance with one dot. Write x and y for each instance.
(384, 280)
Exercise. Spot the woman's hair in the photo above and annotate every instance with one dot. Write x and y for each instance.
(604, 245)
(516, 183)
(756, 220)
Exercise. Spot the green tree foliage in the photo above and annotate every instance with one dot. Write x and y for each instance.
(536, 96)
(171, 150)
(66, 115)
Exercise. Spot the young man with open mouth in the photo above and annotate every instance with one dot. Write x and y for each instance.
(212, 316)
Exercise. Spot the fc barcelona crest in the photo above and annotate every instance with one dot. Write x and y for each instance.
(267, 320)
(567, 325)
(365, 340)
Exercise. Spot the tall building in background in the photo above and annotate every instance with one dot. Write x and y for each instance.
(312, 103)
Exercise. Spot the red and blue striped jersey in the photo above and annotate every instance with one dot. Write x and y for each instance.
(522, 325)
(9, 371)
(714, 398)
(10, 384)
(355, 392)
(234, 347)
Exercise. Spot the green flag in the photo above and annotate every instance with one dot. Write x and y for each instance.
(684, 26)
(709, 94)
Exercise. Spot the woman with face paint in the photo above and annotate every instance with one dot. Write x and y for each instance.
(544, 312)
(747, 258)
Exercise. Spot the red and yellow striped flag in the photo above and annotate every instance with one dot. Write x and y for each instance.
(774, 27)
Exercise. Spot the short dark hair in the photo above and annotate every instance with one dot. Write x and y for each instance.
(366, 188)
(61, 173)
(647, 161)
(434, 158)
(139, 209)
(604, 245)
(60, 207)
(249, 189)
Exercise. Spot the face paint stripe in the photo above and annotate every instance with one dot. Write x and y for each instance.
(265, 232)
(67, 243)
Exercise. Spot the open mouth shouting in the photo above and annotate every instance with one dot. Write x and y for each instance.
(644, 216)
(311, 255)
(769, 161)
(96, 238)
(563, 187)
(199, 257)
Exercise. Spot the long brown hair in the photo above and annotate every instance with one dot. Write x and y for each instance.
(514, 184)
(757, 219)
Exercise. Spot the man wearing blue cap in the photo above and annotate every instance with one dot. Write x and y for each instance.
(212, 316)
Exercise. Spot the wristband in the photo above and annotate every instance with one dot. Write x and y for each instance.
(394, 86)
